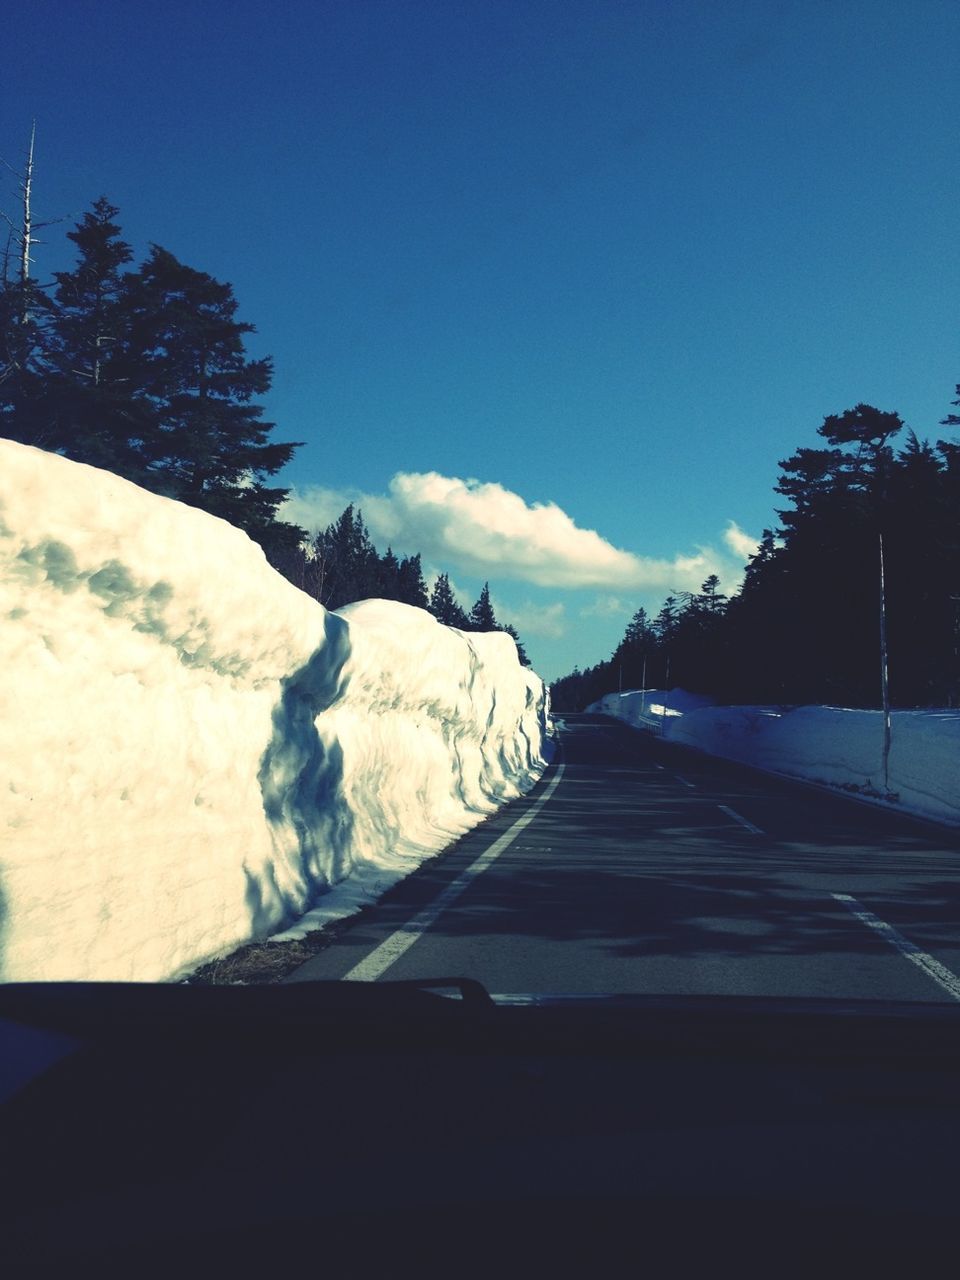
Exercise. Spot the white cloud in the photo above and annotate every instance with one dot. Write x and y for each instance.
(314, 508)
(607, 607)
(740, 543)
(487, 530)
(533, 619)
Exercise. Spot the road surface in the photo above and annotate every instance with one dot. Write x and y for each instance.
(637, 866)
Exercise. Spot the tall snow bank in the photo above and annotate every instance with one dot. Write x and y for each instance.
(193, 750)
(650, 708)
(833, 745)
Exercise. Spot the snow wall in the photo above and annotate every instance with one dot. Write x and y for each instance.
(193, 750)
(833, 745)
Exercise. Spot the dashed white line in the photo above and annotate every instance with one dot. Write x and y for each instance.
(738, 817)
(922, 959)
(392, 948)
(684, 781)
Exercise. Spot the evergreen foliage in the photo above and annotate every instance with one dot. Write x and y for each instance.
(521, 651)
(207, 444)
(143, 372)
(345, 563)
(482, 617)
(26, 414)
(93, 383)
(444, 607)
(805, 625)
(342, 566)
(411, 588)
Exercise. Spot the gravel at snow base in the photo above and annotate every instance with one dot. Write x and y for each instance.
(193, 751)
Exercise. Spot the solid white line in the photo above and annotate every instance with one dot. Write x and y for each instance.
(931, 967)
(392, 948)
(732, 813)
(684, 781)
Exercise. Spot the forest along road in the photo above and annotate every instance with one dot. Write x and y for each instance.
(642, 867)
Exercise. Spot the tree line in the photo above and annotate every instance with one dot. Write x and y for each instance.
(140, 371)
(143, 371)
(342, 565)
(861, 575)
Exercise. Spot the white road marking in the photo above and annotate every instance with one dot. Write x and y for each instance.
(684, 781)
(392, 948)
(922, 959)
(659, 766)
(738, 817)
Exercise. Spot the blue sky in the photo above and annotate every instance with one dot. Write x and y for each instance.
(533, 269)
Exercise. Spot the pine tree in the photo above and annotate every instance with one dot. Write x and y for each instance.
(521, 652)
(482, 617)
(207, 444)
(412, 588)
(666, 620)
(388, 576)
(347, 566)
(444, 607)
(93, 381)
(696, 644)
(712, 600)
(806, 626)
(631, 658)
(922, 567)
(639, 634)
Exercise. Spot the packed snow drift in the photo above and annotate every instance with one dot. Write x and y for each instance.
(194, 751)
(832, 745)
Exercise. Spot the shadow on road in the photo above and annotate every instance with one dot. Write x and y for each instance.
(626, 861)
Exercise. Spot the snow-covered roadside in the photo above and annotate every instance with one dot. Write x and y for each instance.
(836, 746)
(193, 750)
(653, 709)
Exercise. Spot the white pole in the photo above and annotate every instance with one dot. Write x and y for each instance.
(884, 675)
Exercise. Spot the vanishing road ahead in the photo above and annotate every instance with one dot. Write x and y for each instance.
(637, 866)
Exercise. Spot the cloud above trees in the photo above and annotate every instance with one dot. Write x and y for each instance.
(486, 529)
(741, 544)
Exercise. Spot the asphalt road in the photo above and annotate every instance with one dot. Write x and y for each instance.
(647, 868)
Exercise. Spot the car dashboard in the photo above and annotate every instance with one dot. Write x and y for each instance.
(369, 1124)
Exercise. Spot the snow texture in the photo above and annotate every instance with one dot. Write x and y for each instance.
(194, 751)
(834, 745)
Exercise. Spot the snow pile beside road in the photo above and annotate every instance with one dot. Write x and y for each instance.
(193, 750)
(833, 745)
(650, 708)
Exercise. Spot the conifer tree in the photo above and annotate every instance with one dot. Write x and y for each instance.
(347, 567)
(207, 444)
(521, 651)
(631, 658)
(444, 607)
(388, 576)
(94, 383)
(712, 600)
(482, 617)
(412, 588)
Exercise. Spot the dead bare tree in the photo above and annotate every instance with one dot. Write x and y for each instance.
(22, 233)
